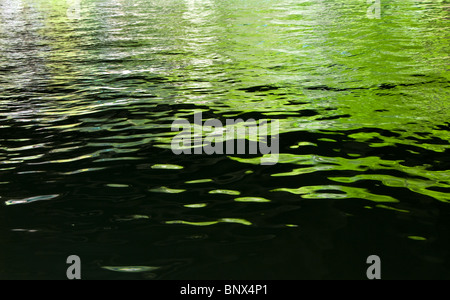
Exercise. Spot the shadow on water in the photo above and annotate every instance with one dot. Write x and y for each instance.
(110, 208)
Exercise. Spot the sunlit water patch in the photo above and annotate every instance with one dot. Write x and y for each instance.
(87, 104)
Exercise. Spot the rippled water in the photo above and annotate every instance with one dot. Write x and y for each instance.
(86, 107)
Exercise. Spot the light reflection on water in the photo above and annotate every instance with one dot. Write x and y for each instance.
(86, 108)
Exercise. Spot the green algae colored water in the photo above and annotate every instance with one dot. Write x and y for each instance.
(88, 93)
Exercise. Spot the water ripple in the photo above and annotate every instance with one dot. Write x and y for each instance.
(87, 106)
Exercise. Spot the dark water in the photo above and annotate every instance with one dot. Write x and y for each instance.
(86, 107)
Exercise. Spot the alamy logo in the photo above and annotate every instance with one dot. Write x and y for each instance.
(74, 9)
(212, 137)
(374, 10)
(74, 270)
(374, 270)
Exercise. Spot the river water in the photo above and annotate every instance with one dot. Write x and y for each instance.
(88, 95)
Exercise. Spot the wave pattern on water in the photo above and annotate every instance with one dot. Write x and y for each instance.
(86, 108)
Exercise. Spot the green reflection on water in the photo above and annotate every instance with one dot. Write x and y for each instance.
(251, 199)
(131, 269)
(226, 192)
(164, 189)
(340, 192)
(196, 205)
(209, 223)
(371, 96)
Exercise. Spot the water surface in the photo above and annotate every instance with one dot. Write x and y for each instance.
(86, 107)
